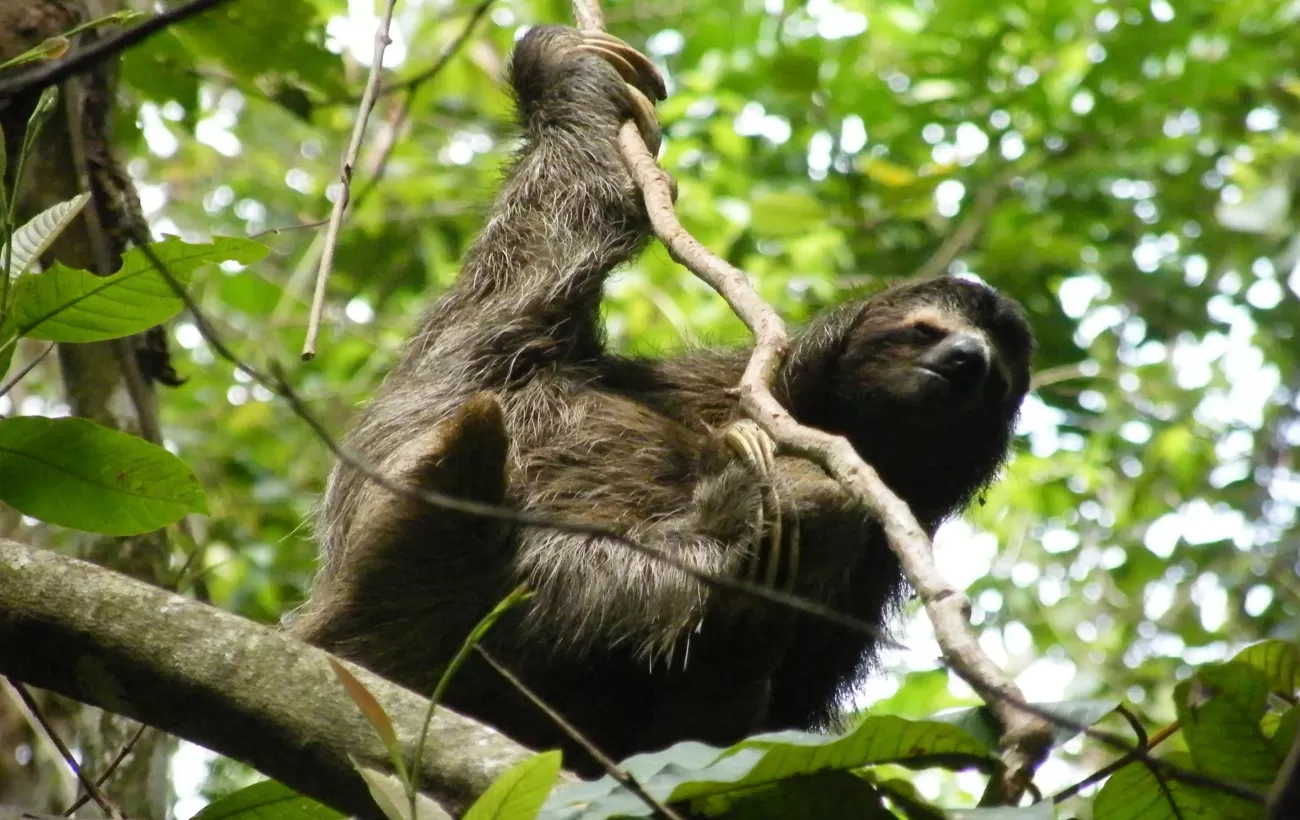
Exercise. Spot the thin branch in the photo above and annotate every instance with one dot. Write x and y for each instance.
(345, 177)
(24, 370)
(1144, 746)
(108, 771)
(388, 141)
(607, 763)
(588, 15)
(84, 59)
(106, 805)
(960, 240)
(414, 82)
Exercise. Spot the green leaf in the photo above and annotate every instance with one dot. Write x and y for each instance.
(68, 305)
(51, 48)
(33, 238)
(694, 771)
(1220, 708)
(1278, 660)
(519, 793)
(267, 800)
(1134, 793)
(75, 473)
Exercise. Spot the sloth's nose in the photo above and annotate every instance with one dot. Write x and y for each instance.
(962, 359)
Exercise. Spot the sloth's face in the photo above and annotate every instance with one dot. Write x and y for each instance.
(938, 352)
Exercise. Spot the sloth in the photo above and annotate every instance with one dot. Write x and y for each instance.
(508, 395)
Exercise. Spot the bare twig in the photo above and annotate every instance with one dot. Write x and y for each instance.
(106, 805)
(345, 177)
(1143, 748)
(1026, 737)
(588, 15)
(612, 768)
(388, 140)
(108, 770)
(24, 370)
(87, 58)
(413, 82)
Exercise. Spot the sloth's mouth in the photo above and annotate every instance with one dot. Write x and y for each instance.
(932, 374)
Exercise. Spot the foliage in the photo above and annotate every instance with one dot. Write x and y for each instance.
(1124, 169)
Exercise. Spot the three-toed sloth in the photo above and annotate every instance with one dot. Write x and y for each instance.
(507, 395)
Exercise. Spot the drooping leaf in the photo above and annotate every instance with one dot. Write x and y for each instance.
(68, 305)
(75, 473)
(694, 771)
(369, 706)
(388, 792)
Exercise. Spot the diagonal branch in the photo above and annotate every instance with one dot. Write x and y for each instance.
(345, 178)
(85, 59)
(1026, 737)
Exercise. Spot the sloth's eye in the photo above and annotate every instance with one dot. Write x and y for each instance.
(926, 332)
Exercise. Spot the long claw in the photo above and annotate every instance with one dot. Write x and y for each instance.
(753, 446)
(636, 67)
(644, 82)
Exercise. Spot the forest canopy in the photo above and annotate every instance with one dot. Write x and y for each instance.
(1126, 170)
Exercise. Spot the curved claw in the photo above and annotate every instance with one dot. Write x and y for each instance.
(634, 66)
(756, 448)
(644, 82)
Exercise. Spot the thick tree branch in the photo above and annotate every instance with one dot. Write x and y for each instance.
(238, 688)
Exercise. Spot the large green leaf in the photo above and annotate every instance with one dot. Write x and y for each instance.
(695, 771)
(78, 474)
(1279, 660)
(1220, 709)
(1134, 793)
(68, 305)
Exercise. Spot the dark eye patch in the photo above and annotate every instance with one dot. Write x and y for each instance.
(918, 333)
(925, 331)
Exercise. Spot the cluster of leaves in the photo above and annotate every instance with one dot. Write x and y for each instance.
(71, 471)
(1237, 719)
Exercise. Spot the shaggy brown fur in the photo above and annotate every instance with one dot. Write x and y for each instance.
(508, 395)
